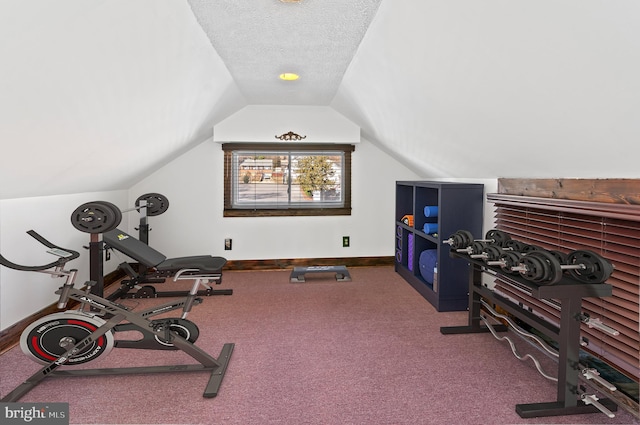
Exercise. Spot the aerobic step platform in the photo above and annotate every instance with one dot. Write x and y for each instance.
(342, 274)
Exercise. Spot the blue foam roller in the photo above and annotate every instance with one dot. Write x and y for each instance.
(430, 228)
(431, 211)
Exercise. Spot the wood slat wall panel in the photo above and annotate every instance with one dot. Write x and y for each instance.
(613, 308)
(567, 224)
(629, 306)
(626, 289)
(627, 321)
(602, 344)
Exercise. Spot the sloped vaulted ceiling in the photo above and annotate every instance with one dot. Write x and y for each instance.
(96, 94)
(501, 88)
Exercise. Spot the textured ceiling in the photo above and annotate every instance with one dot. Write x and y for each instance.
(260, 39)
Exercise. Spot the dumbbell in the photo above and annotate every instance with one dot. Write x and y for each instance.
(493, 252)
(510, 258)
(460, 239)
(463, 239)
(545, 268)
(587, 266)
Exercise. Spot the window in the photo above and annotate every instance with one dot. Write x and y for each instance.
(276, 179)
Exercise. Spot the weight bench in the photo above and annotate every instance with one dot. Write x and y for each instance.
(205, 267)
(342, 274)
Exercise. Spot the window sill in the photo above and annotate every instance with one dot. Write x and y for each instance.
(292, 212)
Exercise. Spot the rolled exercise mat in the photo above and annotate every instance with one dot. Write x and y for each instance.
(410, 252)
(399, 231)
(431, 211)
(430, 228)
(398, 255)
(407, 219)
(427, 263)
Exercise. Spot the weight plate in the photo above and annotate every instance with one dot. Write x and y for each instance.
(596, 268)
(498, 237)
(492, 252)
(477, 247)
(461, 239)
(531, 248)
(41, 341)
(541, 267)
(560, 256)
(510, 259)
(156, 203)
(184, 328)
(96, 217)
(515, 245)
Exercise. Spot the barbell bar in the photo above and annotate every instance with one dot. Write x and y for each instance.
(103, 216)
(154, 203)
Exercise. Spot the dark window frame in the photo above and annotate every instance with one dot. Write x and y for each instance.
(230, 211)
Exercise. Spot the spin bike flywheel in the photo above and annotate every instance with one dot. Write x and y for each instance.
(48, 338)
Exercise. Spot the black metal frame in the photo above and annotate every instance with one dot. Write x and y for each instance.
(569, 293)
(215, 366)
(97, 250)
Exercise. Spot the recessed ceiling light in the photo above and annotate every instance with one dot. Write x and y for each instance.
(290, 1)
(289, 76)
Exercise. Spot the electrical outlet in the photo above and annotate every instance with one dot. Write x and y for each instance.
(345, 241)
(227, 244)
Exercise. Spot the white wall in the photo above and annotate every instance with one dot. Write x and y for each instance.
(194, 224)
(261, 123)
(193, 183)
(24, 293)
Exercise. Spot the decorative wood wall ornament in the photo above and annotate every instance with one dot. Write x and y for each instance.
(290, 136)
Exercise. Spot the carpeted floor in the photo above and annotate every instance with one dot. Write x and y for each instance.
(321, 352)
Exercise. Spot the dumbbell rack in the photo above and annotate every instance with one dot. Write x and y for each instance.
(569, 293)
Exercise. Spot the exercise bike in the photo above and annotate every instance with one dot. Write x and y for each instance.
(79, 336)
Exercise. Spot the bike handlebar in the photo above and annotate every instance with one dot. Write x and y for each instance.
(62, 259)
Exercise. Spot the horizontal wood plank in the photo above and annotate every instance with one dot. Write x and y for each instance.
(617, 191)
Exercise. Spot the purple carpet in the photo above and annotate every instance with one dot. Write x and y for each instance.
(367, 351)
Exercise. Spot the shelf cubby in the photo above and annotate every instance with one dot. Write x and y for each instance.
(459, 206)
